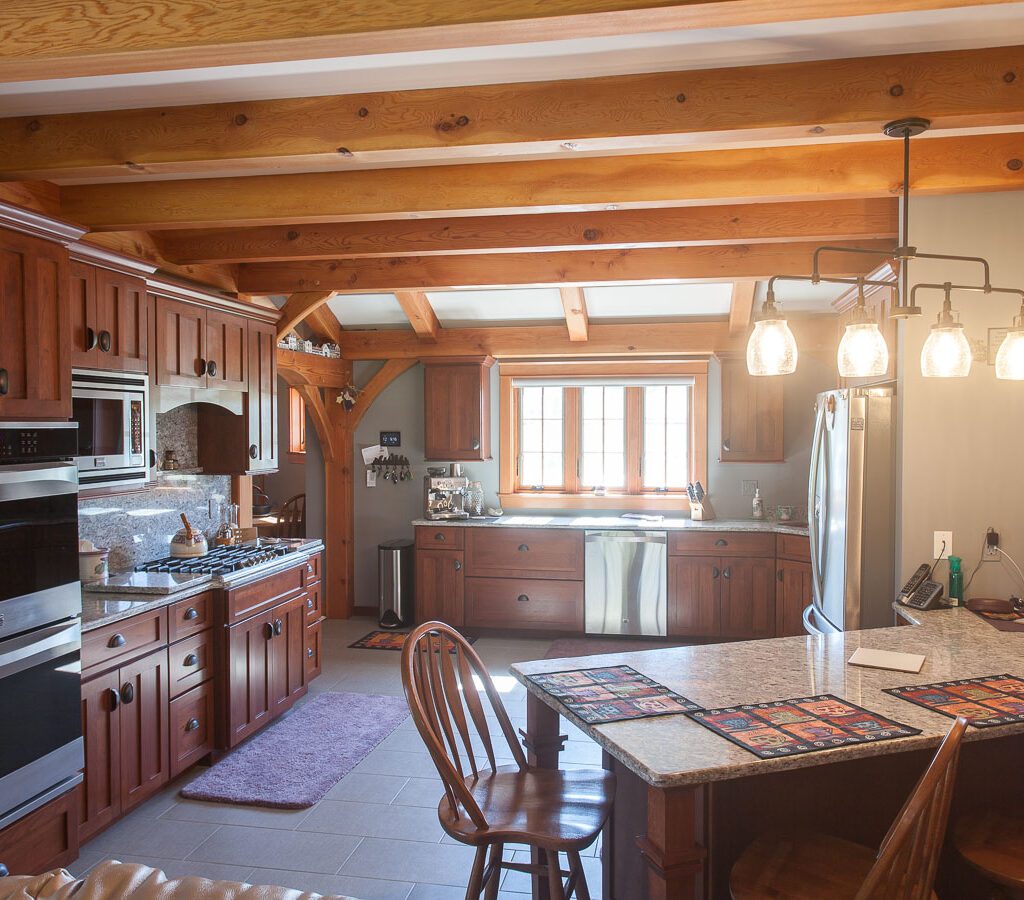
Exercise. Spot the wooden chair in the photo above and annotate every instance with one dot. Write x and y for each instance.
(552, 811)
(811, 866)
(291, 520)
(992, 842)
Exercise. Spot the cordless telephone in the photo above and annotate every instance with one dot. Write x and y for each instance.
(921, 592)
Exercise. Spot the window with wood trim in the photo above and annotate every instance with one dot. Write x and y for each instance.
(612, 434)
(296, 426)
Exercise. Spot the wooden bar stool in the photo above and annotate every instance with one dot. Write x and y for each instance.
(992, 842)
(809, 866)
(552, 811)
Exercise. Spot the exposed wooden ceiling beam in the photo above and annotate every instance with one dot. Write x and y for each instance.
(308, 368)
(325, 324)
(556, 269)
(420, 314)
(577, 322)
(795, 102)
(821, 220)
(661, 339)
(64, 38)
(742, 306)
(297, 307)
(820, 171)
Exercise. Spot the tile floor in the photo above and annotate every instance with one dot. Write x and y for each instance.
(374, 836)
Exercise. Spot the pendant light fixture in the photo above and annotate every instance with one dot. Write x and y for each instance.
(771, 349)
(1010, 358)
(946, 353)
(863, 352)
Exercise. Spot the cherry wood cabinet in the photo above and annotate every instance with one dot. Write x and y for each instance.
(440, 586)
(200, 348)
(226, 351)
(110, 319)
(125, 724)
(525, 553)
(747, 608)
(47, 838)
(694, 596)
(524, 603)
(721, 597)
(35, 328)
(192, 721)
(793, 595)
(262, 450)
(752, 411)
(457, 408)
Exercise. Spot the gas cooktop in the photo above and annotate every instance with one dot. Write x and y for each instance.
(220, 560)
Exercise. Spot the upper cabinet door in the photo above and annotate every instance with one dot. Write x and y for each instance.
(751, 416)
(84, 340)
(122, 322)
(457, 409)
(262, 397)
(226, 351)
(35, 328)
(180, 338)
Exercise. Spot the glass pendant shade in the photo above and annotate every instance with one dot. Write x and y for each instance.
(1010, 358)
(863, 351)
(946, 353)
(771, 349)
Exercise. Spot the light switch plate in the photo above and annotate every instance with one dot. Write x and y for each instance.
(937, 551)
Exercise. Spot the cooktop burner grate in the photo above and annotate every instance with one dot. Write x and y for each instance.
(219, 561)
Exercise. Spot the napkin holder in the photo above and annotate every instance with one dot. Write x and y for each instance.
(702, 510)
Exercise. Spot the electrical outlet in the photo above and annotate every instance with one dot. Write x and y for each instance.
(748, 488)
(942, 537)
(991, 545)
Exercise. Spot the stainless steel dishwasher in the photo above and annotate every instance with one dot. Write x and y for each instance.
(624, 590)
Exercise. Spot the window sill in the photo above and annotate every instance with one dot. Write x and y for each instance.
(294, 457)
(550, 500)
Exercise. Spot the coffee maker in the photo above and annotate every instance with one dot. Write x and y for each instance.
(444, 493)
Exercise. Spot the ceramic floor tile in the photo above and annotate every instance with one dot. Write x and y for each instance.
(344, 885)
(421, 792)
(266, 847)
(394, 762)
(184, 868)
(142, 836)
(407, 823)
(521, 882)
(366, 788)
(410, 861)
(86, 860)
(233, 814)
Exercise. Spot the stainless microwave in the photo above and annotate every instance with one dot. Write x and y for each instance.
(112, 412)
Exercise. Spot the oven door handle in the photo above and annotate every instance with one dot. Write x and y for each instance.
(38, 480)
(36, 647)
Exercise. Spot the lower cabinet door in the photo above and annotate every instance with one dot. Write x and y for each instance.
(288, 655)
(247, 687)
(793, 594)
(191, 726)
(748, 598)
(314, 643)
(694, 592)
(439, 586)
(145, 763)
(100, 796)
(524, 603)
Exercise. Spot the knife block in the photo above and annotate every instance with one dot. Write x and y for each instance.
(702, 511)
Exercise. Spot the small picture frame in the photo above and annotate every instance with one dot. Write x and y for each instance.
(995, 340)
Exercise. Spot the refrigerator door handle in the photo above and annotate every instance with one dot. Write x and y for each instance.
(809, 625)
(814, 505)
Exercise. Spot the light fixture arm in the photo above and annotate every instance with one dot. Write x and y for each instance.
(949, 287)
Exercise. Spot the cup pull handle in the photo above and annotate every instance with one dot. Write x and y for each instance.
(721, 542)
(116, 640)
(191, 724)
(524, 548)
(522, 598)
(191, 613)
(191, 660)
(440, 538)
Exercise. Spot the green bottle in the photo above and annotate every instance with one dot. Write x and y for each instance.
(956, 582)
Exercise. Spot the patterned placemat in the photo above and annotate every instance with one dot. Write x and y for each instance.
(802, 725)
(388, 640)
(611, 694)
(984, 701)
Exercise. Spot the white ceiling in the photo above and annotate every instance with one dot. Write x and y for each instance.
(968, 27)
(802, 297)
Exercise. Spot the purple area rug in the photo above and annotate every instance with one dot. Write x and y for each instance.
(293, 763)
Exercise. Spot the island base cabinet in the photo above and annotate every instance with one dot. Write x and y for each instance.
(440, 586)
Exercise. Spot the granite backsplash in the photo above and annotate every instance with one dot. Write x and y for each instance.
(139, 527)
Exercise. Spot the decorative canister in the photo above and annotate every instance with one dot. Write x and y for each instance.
(92, 562)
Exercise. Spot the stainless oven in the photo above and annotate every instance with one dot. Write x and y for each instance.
(111, 409)
(41, 753)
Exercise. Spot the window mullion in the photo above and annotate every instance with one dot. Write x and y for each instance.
(634, 439)
(571, 419)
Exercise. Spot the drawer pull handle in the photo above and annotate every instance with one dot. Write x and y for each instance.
(191, 660)
(191, 724)
(721, 542)
(116, 640)
(458, 566)
(715, 572)
(115, 699)
(127, 693)
(524, 548)
(309, 652)
(522, 598)
(439, 537)
(191, 613)
(278, 626)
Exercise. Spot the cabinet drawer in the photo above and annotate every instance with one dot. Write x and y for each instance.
(440, 537)
(46, 838)
(314, 636)
(312, 603)
(524, 603)
(721, 543)
(525, 553)
(794, 546)
(191, 727)
(190, 616)
(120, 641)
(263, 594)
(311, 573)
(191, 662)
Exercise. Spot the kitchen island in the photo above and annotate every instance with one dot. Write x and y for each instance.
(688, 801)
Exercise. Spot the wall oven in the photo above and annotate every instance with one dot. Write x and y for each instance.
(41, 754)
(111, 409)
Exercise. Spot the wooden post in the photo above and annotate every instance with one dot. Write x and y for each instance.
(674, 846)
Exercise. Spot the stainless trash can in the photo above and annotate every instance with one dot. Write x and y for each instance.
(394, 583)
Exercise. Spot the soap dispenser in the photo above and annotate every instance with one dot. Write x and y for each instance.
(758, 504)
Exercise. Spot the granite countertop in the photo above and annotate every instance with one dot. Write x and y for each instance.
(130, 593)
(599, 522)
(672, 750)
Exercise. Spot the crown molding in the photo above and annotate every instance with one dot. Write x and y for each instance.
(110, 259)
(28, 221)
(211, 299)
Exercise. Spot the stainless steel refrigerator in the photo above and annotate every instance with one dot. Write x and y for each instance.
(851, 510)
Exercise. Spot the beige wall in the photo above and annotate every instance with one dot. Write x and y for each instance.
(963, 439)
